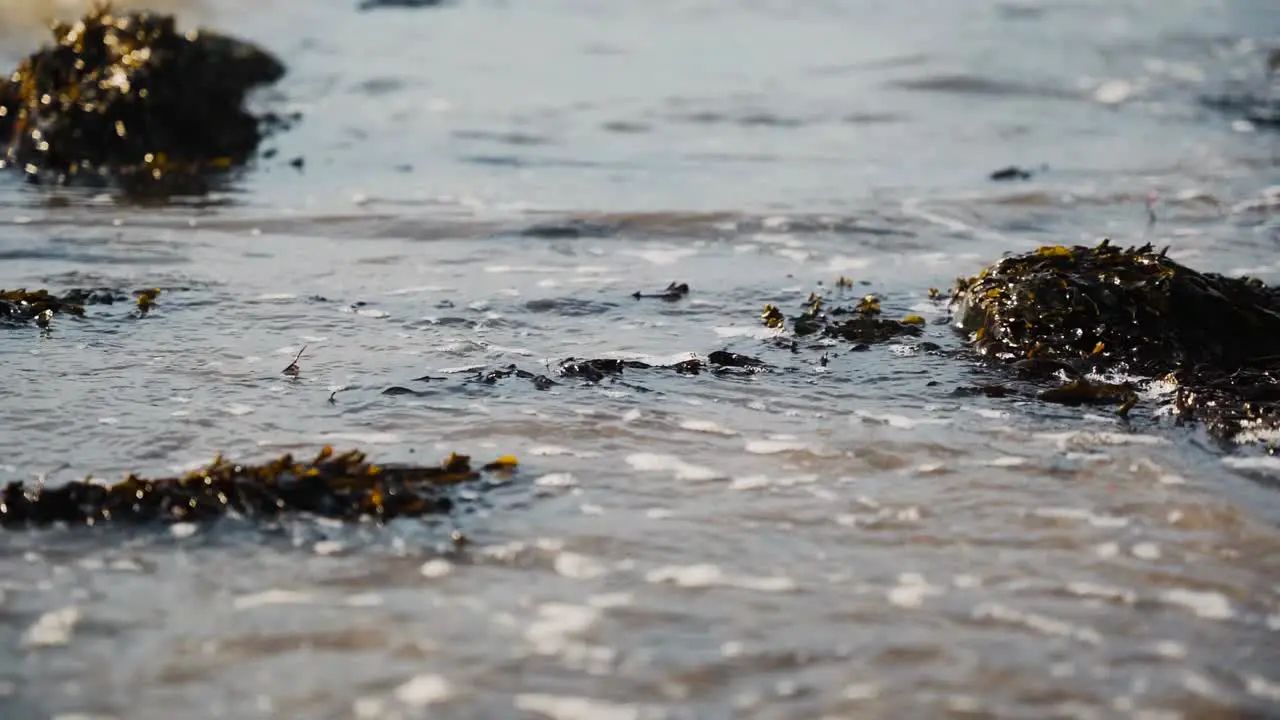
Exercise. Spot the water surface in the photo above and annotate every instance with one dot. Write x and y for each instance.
(486, 184)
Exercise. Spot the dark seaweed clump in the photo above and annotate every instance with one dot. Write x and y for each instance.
(1106, 308)
(127, 97)
(22, 306)
(1132, 309)
(861, 324)
(344, 486)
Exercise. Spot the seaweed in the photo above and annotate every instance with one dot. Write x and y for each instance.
(675, 291)
(22, 306)
(593, 371)
(1065, 312)
(367, 5)
(1084, 391)
(126, 97)
(292, 370)
(1130, 309)
(1012, 172)
(860, 324)
(343, 486)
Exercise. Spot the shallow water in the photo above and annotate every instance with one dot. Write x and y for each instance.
(486, 184)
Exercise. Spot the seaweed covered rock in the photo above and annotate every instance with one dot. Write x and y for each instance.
(344, 486)
(1108, 307)
(1075, 310)
(129, 98)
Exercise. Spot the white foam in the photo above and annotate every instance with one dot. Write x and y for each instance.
(272, 597)
(756, 482)
(183, 529)
(371, 438)
(775, 445)
(793, 254)
(706, 426)
(750, 482)
(566, 707)
(550, 450)
(748, 331)
(861, 691)
(1106, 592)
(435, 568)
(1006, 461)
(418, 289)
(504, 269)
(911, 591)
(52, 629)
(556, 480)
(558, 624)
(844, 263)
(1170, 649)
(581, 567)
(1037, 622)
(662, 256)
(653, 462)
(1065, 513)
(605, 601)
(1206, 604)
(424, 690)
(1113, 92)
(1084, 439)
(328, 547)
(1261, 462)
(1146, 551)
(706, 575)
(1262, 687)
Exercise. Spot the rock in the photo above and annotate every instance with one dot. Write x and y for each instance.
(1128, 309)
(1135, 311)
(128, 98)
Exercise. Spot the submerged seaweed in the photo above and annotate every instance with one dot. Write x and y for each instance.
(127, 97)
(860, 324)
(600, 370)
(337, 485)
(1068, 311)
(22, 306)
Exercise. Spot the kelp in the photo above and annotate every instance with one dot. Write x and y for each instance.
(343, 486)
(126, 97)
(594, 371)
(674, 291)
(1108, 307)
(1065, 312)
(861, 323)
(22, 306)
